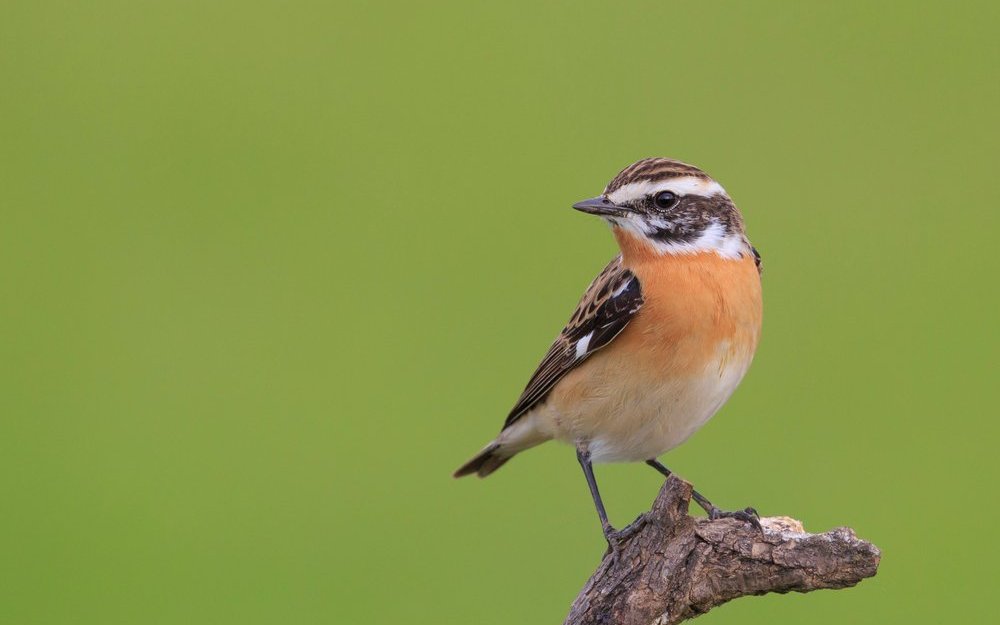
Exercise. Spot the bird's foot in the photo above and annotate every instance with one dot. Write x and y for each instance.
(617, 538)
(747, 515)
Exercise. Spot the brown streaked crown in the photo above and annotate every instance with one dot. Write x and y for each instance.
(654, 168)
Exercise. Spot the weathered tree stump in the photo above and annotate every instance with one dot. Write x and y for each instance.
(675, 567)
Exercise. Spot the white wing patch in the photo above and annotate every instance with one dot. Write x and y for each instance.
(621, 289)
(583, 344)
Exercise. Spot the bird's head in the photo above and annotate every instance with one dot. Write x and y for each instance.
(670, 207)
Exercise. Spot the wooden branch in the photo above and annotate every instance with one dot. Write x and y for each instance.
(675, 567)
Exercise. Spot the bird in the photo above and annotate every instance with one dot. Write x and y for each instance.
(660, 339)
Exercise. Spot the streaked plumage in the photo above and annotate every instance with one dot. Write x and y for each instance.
(609, 303)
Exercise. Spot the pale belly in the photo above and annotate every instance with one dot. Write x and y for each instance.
(628, 418)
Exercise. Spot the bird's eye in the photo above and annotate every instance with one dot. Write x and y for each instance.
(665, 199)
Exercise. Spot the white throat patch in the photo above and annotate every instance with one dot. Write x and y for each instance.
(713, 239)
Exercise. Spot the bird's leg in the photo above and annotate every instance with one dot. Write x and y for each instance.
(747, 515)
(583, 456)
(613, 536)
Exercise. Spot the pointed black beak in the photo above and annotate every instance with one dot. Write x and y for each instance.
(600, 206)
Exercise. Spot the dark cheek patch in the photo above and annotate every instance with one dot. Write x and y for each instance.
(693, 215)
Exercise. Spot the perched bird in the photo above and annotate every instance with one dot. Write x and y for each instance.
(660, 339)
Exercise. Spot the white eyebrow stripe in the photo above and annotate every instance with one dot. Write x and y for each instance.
(684, 185)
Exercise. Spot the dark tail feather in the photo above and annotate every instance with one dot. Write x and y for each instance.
(485, 462)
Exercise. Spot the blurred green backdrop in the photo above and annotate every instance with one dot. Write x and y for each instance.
(272, 270)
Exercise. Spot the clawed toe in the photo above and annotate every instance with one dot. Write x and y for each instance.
(747, 515)
(617, 538)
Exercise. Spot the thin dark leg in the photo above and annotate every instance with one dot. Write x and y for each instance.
(747, 514)
(583, 456)
(656, 464)
(698, 497)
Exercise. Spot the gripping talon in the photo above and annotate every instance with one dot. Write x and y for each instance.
(747, 515)
(617, 538)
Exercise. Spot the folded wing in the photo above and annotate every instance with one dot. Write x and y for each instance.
(610, 302)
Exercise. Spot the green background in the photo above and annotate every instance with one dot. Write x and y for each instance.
(271, 271)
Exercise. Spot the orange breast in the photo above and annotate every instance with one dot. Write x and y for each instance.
(693, 303)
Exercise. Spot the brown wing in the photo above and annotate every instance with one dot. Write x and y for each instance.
(609, 303)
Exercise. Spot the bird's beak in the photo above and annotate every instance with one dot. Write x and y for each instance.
(600, 205)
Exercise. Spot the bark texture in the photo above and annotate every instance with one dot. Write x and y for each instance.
(675, 567)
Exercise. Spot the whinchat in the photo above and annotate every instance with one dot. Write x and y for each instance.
(660, 339)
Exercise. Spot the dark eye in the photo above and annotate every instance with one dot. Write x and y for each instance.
(665, 199)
